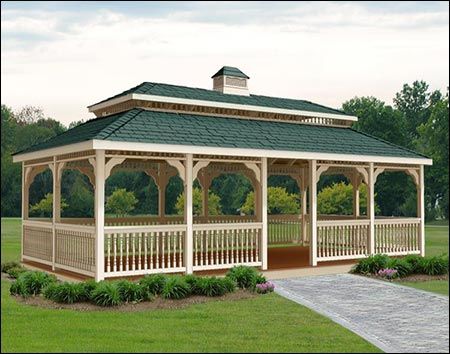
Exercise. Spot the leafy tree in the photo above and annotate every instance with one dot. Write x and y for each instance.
(434, 141)
(377, 119)
(232, 190)
(79, 195)
(387, 123)
(416, 103)
(279, 201)
(44, 208)
(214, 207)
(121, 202)
(338, 199)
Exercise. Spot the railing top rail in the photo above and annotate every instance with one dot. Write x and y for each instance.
(228, 226)
(72, 227)
(145, 228)
(396, 221)
(363, 222)
(44, 224)
(284, 216)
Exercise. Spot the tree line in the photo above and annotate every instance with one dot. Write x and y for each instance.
(418, 120)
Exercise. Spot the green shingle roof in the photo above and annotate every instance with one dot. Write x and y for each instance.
(230, 71)
(144, 126)
(158, 89)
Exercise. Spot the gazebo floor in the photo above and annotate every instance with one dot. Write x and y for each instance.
(280, 258)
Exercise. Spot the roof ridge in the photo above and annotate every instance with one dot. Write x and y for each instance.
(117, 124)
(389, 143)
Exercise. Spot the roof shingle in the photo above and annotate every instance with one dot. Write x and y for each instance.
(166, 90)
(139, 125)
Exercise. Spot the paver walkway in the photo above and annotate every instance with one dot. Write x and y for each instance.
(395, 318)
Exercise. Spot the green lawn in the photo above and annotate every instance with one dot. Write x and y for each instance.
(435, 286)
(262, 324)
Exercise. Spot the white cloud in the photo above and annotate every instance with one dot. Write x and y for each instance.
(324, 52)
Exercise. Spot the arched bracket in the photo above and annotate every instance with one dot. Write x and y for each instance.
(197, 167)
(255, 168)
(113, 161)
(364, 174)
(180, 168)
(321, 169)
(415, 175)
(161, 175)
(378, 171)
(32, 171)
(60, 169)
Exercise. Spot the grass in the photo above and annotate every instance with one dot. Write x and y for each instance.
(435, 286)
(262, 324)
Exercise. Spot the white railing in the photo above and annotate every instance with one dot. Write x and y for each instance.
(397, 236)
(75, 248)
(37, 241)
(137, 250)
(285, 229)
(221, 246)
(342, 239)
(165, 220)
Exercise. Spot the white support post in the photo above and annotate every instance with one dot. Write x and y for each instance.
(304, 203)
(355, 184)
(99, 214)
(421, 209)
(264, 218)
(189, 218)
(24, 207)
(54, 211)
(313, 212)
(371, 209)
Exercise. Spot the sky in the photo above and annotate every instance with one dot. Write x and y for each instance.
(64, 56)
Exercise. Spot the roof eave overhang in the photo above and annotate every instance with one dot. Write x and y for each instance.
(209, 150)
(176, 100)
(59, 150)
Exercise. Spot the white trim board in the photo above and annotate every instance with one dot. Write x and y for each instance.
(205, 150)
(215, 104)
(58, 150)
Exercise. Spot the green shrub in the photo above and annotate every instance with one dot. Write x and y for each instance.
(67, 293)
(244, 277)
(19, 288)
(88, 287)
(176, 287)
(34, 282)
(402, 266)
(415, 261)
(371, 264)
(434, 265)
(153, 284)
(260, 279)
(229, 284)
(130, 291)
(106, 294)
(212, 286)
(193, 282)
(16, 271)
(9, 265)
(49, 291)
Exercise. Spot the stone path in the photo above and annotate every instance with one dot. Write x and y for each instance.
(395, 318)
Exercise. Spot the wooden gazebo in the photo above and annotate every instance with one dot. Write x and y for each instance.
(166, 130)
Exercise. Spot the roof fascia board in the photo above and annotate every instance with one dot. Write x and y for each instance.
(110, 102)
(167, 99)
(189, 149)
(59, 150)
